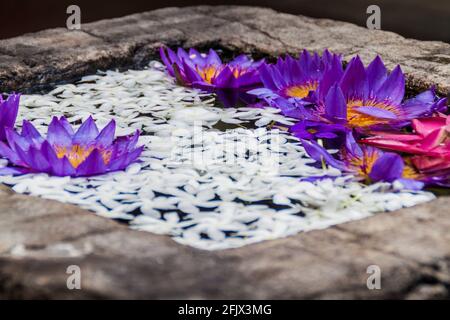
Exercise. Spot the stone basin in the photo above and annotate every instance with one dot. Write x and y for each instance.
(40, 238)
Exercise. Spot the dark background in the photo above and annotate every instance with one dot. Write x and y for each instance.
(420, 19)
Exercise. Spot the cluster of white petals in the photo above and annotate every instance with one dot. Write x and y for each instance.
(210, 177)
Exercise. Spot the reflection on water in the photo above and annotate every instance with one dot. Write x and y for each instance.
(232, 98)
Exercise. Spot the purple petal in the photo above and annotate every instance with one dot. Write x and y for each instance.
(319, 154)
(266, 77)
(58, 167)
(317, 178)
(263, 93)
(13, 139)
(57, 133)
(24, 157)
(327, 57)
(213, 58)
(125, 160)
(6, 171)
(8, 113)
(411, 184)
(240, 60)
(122, 146)
(225, 79)
(354, 82)
(388, 167)
(352, 146)
(125, 144)
(118, 162)
(290, 108)
(8, 153)
(93, 164)
(376, 112)
(335, 104)
(440, 106)
(376, 74)
(326, 135)
(30, 133)
(423, 105)
(191, 74)
(65, 123)
(277, 78)
(299, 130)
(38, 161)
(106, 137)
(133, 140)
(248, 79)
(332, 75)
(194, 58)
(134, 155)
(87, 132)
(393, 88)
(165, 60)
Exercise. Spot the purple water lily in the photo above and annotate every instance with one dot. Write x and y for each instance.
(369, 98)
(367, 163)
(277, 90)
(8, 113)
(208, 72)
(65, 152)
(294, 79)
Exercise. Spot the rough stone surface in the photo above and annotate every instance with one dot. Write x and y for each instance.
(56, 55)
(40, 238)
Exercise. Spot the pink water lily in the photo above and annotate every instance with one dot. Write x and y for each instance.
(429, 142)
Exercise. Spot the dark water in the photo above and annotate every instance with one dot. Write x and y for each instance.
(440, 192)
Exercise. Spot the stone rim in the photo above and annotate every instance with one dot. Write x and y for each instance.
(332, 263)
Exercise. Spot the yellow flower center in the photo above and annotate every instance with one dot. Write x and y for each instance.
(408, 171)
(237, 72)
(358, 119)
(77, 154)
(364, 164)
(301, 91)
(209, 73)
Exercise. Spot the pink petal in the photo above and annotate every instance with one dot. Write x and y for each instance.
(392, 145)
(424, 163)
(397, 137)
(424, 126)
(433, 139)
